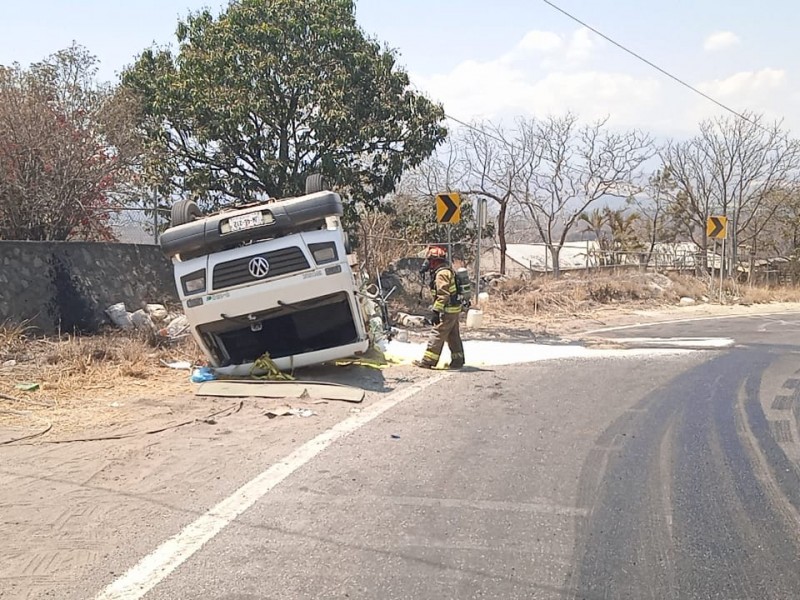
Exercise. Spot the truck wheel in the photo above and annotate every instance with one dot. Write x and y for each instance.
(184, 211)
(315, 183)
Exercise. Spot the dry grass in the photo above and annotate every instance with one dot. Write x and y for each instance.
(81, 378)
(13, 340)
(690, 287)
(581, 294)
(574, 294)
(764, 295)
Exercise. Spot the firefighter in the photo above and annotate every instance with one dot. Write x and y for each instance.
(446, 311)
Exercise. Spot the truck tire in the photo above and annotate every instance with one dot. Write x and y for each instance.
(315, 183)
(184, 211)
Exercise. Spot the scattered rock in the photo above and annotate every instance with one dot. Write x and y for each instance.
(141, 320)
(10, 363)
(120, 316)
(157, 311)
(686, 301)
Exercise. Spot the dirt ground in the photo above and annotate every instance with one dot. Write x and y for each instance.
(116, 385)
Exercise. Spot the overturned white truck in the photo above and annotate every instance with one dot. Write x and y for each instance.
(271, 277)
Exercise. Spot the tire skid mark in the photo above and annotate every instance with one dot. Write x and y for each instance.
(679, 509)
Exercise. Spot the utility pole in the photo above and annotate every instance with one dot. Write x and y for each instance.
(734, 271)
(481, 222)
(155, 216)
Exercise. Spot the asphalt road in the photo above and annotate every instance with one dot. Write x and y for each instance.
(617, 478)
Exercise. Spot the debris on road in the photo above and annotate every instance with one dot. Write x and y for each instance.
(286, 411)
(27, 387)
(282, 389)
(265, 368)
(414, 321)
(202, 374)
(177, 328)
(180, 365)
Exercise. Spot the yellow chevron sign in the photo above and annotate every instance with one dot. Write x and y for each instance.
(717, 228)
(448, 208)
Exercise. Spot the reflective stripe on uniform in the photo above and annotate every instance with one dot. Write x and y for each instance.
(431, 356)
(452, 309)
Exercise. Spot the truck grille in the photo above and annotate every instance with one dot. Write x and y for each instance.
(237, 272)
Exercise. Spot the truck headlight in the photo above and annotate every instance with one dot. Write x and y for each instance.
(324, 253)
(194, 283)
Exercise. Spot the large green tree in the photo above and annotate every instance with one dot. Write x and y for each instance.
(270, 91)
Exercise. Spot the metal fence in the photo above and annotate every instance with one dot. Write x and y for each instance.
(682, 261)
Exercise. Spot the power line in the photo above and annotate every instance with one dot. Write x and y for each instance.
(497, 138)
(483, 132)
(656, 67)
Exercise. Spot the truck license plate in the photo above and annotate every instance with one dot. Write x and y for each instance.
(248, 221)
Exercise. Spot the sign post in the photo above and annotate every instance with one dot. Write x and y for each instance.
(717, 229)
(721, 270)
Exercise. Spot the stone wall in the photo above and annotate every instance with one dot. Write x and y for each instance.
(68, 285)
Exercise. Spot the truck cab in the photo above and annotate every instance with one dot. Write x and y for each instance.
(269, 278)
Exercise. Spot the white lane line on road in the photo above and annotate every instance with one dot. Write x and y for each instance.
(686, 320)
(677, 342)
(157, 565)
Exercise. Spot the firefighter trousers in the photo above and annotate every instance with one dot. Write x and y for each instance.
(446, 331)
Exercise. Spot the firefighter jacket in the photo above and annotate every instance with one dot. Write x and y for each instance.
(445, 291)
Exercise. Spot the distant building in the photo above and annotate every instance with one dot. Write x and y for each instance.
(530, 259)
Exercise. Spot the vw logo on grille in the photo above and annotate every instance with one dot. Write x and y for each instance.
(259, 267)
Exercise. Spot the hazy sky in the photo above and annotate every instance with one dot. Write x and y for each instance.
(504, 58)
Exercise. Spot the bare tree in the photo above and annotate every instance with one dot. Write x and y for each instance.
(497, 163)
(731, 168)
(780, 236)
(576, 165)
(66, 144)
(446, 170)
